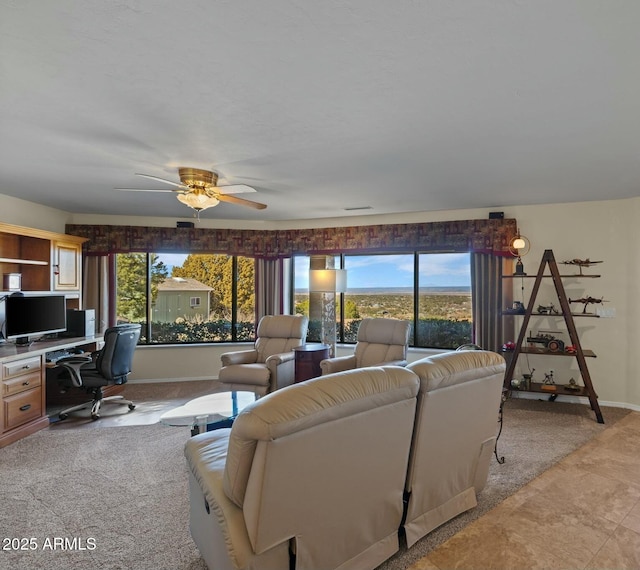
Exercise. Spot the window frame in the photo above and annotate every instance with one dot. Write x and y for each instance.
(340, 298)
(146, 339)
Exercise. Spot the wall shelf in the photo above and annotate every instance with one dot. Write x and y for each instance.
(23, 261)
(573, 276)
(535, 350)
(47, 261)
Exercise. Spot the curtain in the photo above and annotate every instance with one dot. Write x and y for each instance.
(487, 299)
(95, 289)
(272, 287)
(480, 236)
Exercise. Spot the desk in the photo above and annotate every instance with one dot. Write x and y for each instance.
(23, 376)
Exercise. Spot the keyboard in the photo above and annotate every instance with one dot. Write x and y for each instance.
(56, 355)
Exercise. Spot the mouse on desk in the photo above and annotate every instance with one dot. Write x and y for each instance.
(77, 350)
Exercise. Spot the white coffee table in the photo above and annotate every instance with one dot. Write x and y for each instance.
(206, 413)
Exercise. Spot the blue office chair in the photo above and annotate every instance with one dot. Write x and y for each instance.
(110, 365)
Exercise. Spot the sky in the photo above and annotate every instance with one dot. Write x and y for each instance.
(171, 259)
(436, 270)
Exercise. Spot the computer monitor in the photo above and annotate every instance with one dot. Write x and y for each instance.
(34, 315)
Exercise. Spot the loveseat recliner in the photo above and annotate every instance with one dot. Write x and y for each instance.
(454, 436)
(314, 472)
(321, 475)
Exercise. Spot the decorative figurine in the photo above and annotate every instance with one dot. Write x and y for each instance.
(550, 342)
(587, 301)
(581, 263)
(572, 386)
(526, 379)
(548, 309)
(517, 308)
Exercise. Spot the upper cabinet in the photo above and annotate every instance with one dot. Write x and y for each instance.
(67, 257)
(40, 260)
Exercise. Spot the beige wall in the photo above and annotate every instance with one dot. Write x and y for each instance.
(606, 230)
(22, 213)
(599, 231)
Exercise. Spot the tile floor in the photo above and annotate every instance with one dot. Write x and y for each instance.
(582, 513)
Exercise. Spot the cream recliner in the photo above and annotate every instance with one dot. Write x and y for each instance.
(314, 472)
(454, 436)
(380, 342)
(270, 365)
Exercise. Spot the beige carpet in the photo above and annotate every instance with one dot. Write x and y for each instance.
(125, 488)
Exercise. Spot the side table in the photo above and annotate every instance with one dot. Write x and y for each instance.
(307, 360)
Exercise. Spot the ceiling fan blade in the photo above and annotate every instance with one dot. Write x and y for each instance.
(143, 190)
(178, 184)
(240, 201)
(235, 189)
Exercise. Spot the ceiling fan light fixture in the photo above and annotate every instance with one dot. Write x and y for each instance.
(198, 190)
(196, 177)
(198, 200)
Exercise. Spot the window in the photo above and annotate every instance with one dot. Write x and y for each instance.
(187, 298)
(431, 290)
(377, 286)
(444, 300)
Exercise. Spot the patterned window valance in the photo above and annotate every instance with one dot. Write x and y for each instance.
(487, 236)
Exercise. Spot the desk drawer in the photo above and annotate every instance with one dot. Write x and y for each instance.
(21, 383)
(18, 367)
(23, 407)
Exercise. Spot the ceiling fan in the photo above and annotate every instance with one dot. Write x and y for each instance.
(199, 190)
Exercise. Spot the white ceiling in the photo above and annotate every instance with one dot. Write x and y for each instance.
(320, 105)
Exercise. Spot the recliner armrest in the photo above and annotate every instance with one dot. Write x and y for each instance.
(338, 364)
(282, 369)
(239, 357)
(279, 358)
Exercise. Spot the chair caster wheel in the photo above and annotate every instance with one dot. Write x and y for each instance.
(63, 416)
(132, 406)
(94, 417)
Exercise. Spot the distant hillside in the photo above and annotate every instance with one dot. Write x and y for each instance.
(402, 291)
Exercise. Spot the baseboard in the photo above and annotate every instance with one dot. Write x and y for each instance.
(572, 400)
(156, 380)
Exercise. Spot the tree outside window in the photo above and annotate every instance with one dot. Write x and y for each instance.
(227, 282)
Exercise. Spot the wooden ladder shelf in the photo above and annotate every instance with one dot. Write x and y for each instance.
(549, 260)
